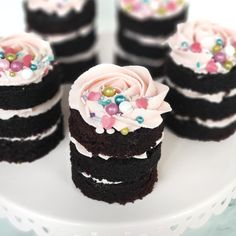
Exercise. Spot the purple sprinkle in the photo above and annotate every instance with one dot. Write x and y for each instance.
(92, 115)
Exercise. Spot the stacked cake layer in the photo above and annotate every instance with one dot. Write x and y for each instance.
(144, 27)
(69, 27)
(30, 114)
(202, 75)
(116, 132)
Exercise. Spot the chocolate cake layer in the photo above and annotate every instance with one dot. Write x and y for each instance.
(156, 71)
(200, 108)
(115, 145)
(134, 47)
(44, 23)
(28, 96)
(74, 46)
(209, 83)
(192, 130)
(29, 151)
(26, 127)
(71, 71)
(115, 169)
(121, 193)
(152, 27)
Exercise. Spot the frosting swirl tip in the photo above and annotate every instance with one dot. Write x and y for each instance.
(118, 98)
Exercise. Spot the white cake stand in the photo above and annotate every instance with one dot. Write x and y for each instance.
(196, 180)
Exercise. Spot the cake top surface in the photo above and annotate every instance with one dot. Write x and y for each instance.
(60, 7)
(152, 8)
(24, 59)
(204, 47)
(124, 99)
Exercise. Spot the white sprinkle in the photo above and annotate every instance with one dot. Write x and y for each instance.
(99, 130)
(110, 131)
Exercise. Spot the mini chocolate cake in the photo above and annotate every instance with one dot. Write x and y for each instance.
(69, 27)
(143, 29)
(202, 75)
(116, 132)
(30, 113)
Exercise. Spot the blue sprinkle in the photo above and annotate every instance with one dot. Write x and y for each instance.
(220, 42)
(184, 45)
(2, 55)
(198, 65)
(139, 119)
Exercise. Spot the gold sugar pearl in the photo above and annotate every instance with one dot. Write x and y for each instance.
(12, 74)
(109, 91)
(125, 131)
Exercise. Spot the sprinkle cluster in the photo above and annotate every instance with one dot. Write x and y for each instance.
(114, 104)
(152, 7)
(15, 61)
(223, 55)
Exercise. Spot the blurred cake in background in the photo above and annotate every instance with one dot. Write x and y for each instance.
(201, 72)
(31, 123)
(116, 129)
(143, 28)
(70, 28)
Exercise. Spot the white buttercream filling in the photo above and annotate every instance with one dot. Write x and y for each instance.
(147, 40)
(40, 136)
(103, 181)
(60, 38)
(81, 149)
(78, 57)
(209, 123)
(214, 98)
(140, 60)
(34, 111)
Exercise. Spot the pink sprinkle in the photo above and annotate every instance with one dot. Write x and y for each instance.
(27, 60)
(211, 67)
(171, 6)
(196, 47)
(137, 6)
(234, 44)
(10, 50)
(94, 96)
(142, 103)
(108, 122)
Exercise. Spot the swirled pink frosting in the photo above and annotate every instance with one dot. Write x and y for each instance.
(24, 45)
(134, 83)
(204, 47)
(152, 8)
(60, 7)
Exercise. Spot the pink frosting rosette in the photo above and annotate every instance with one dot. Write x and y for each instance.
(121, 98)
(152, 8)
(204, 47)
(24, 59)
(60, 7)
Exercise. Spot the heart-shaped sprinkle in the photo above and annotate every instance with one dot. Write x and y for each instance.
(27, 60)
(196, 47)
(108, 122)
(94, 96)
(10, 50)
(211, 67)
(142, 103)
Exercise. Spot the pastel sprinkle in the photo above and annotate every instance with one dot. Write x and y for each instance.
(211, 67)
(108, 122)
(139, 119)
(94, 96)
(142, 103)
